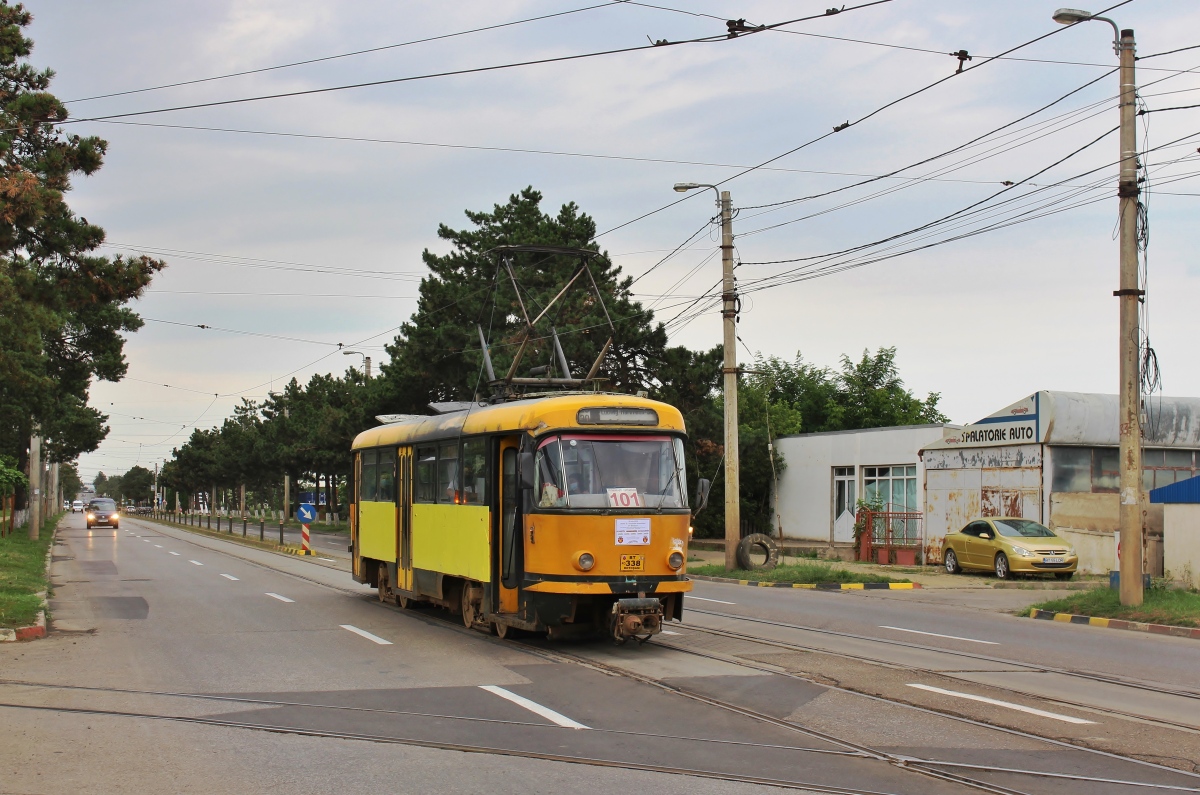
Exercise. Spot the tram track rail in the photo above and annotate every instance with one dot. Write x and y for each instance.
(1074, 673)
(823, 789)
(927, 767)
(924, 767)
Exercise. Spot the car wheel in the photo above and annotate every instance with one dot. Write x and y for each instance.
(1003, 572)
(1063, 575)
(951, 561)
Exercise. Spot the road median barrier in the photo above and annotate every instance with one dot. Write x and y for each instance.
(1116, 623)
(268, 546)
(815, 586)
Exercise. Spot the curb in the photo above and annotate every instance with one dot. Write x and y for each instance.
(818, 586)
(1116, 623)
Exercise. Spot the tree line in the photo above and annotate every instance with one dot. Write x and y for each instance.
(63, 307)
(305, 430)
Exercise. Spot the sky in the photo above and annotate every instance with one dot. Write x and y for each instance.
(299, 243)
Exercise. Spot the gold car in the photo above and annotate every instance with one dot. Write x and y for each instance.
(1008, 546)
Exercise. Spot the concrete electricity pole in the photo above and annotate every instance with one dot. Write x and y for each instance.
(1130, 296)
(729, 370)
(733, 505)
(35, 485)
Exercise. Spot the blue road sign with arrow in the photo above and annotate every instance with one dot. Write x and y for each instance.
(306, 513)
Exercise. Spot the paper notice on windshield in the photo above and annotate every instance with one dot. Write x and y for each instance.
(625, 498)
(633, 532)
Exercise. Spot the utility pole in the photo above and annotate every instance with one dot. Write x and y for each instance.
(733, 507)
(35, 485)
(367, 366)
(1130, 296)
(287, 484)
(729, 371)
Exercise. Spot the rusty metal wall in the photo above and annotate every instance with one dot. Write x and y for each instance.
(966, 483)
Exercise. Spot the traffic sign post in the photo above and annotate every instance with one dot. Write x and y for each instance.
(306, 514)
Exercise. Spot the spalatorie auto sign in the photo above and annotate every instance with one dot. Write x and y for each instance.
(1020, 423)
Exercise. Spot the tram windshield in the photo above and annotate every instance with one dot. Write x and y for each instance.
(590, 471)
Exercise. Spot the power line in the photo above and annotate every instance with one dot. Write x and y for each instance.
(797, 274)
(460, 72)
(856, 122)
(345, 54)
(952, 150)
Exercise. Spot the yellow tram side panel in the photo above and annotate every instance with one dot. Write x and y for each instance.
(452, 539)
(377, 531)
(558, 540)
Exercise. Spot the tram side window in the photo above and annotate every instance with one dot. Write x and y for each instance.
(426, 486)
(366, 487)
(448, 484)
(386, 491)
(474, 467)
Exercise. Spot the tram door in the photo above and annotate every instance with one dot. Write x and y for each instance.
(404, 520)
(510, 534)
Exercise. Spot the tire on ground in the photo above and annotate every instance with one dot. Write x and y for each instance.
(746, 547)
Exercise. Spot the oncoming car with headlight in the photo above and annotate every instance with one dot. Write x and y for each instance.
(565, 514)
(1008, 546)
(102, 511)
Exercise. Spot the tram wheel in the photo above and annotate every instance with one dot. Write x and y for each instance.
(384, 587)
(470, 611)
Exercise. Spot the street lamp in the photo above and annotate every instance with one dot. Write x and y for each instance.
(1130, 296)
(733, 512)
(366, 360)
(1073, 16)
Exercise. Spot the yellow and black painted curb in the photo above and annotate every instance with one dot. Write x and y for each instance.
(1116, 623)
(816, 586)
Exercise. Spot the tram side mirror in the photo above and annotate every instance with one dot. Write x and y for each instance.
(702, 488)
(525, 469)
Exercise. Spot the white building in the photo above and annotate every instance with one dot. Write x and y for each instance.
(825, 474)
(1052, 457)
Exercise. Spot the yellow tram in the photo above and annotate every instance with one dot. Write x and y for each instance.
(566, 514)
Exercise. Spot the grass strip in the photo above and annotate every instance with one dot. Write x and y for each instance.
(806, 573)
(23, 575)
(1174, 606)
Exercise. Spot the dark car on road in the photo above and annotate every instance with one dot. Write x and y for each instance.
(102, 512)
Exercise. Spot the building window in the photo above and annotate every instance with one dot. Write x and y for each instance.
(895, 487)
(1096, 470)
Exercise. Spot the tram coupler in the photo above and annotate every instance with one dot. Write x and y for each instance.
(635, 618)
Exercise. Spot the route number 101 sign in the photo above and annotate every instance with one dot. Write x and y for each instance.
(625, 498)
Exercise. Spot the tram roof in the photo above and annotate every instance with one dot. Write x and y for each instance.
(531, 414)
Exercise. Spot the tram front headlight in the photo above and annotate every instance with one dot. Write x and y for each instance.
(675, 560)
(585, 561)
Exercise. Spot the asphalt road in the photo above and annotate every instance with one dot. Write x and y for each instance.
(185, 663)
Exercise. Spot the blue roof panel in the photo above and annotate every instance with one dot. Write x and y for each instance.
(1185, 491)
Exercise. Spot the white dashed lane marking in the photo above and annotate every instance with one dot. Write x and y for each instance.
(718, 601)
(158, 545)
(280, 598)
(198, 563)
(172, 553)
(534, 707)
(365, 634)
(938, 635)
(229, 577)
(1006, 704)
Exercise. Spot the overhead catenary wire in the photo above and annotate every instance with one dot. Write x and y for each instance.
(352, 54)
(859, 120)
(714, 39)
